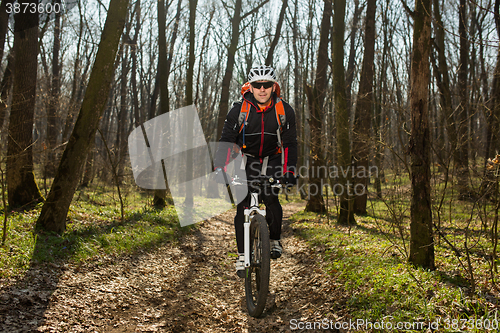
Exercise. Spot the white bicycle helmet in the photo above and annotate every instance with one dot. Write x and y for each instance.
(261, 73)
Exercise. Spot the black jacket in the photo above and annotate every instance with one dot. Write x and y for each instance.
(261, 137)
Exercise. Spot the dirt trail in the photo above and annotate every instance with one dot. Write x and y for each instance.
(186, 288)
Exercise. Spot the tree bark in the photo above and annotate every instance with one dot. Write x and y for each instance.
(494, 114)
(50, 163)
(362, 139)
(316, 98)
(124, 55)
(443, 80)
(118, 163)
(162, 198)
(88, 173)
(133, 78)
(204, 49)
(297, 95)
(485, 93)
(4, 24)
(226, 80)
(189, 101)
(351, 64)
(21, 186)
(462, 160)
(76, 83)
(55, 209)
(270, 52)
(346, 215)
(5, 87)
(421, 238)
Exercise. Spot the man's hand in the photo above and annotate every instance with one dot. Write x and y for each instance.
(289, 179)
(221, 177)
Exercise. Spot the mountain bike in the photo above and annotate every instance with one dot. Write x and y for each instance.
(256, 246)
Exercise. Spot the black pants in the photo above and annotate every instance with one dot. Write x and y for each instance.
(274, 212)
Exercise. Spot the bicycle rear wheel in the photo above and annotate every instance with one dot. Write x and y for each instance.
(257, 274)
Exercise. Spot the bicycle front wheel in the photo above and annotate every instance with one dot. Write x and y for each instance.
(257, 274)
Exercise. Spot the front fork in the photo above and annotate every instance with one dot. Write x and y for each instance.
(254, 207)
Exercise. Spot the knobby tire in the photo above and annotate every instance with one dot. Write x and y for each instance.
(257, 275)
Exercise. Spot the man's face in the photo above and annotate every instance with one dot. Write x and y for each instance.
(260, 92)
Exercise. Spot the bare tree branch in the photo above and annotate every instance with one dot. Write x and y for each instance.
(256, 9)
(407, 9)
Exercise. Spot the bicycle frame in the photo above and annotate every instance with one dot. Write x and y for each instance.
(248, 212)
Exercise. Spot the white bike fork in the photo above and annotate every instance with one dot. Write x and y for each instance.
(254, 207)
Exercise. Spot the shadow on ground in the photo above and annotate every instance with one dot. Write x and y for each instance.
(24, 301)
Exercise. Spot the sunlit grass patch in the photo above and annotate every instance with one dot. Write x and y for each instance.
(94, 230)
(372, 268)
(140, 229)
(16, 254)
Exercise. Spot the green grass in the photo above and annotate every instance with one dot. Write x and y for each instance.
(369, 261)
(94, 231)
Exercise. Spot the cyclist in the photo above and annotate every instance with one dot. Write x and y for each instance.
(263, 127)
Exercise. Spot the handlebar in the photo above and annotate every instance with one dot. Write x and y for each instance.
(261, 182)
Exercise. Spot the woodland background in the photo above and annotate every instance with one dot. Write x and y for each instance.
(412, 89)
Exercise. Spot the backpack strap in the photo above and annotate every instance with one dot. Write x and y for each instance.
(243, 117)
(244, 112)
(281, 119)
(280, 114)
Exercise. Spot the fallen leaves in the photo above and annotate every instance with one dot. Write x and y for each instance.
(191, 287)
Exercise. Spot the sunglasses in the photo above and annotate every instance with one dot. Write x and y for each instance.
(258, 85)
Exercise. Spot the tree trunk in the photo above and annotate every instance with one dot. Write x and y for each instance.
(443, 83)
(361, 140)
(122, 126)
(315, 201)
(462, 160)
(421, 238)
(76, 82)
(346, 215)
(204, 49)
(162, 198)
(494, 115)
(5, 87)
(50, 163)
(21, 185)
(189, 101)
(380, 93)
(55, 209)
(226, 80)
(154, 97)
(316, 98)
(88, 173)
(4, 24)
(133, 77)
(270, 53)
(351, 64)
(297, 94)
(485, 99)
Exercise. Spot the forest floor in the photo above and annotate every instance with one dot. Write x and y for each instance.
(189, 286)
